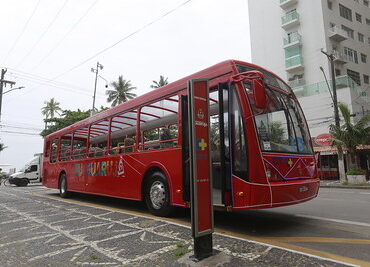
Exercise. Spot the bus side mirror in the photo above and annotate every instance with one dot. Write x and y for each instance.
(259, 91)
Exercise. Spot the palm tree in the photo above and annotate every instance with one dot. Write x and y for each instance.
(51, 107)
(121, 92)
(162, 82)
(351, 135)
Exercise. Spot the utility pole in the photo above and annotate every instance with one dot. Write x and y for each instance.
(2, 82)
(331, 58)
(96, 71)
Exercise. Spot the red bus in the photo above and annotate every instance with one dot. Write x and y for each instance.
(261, 150)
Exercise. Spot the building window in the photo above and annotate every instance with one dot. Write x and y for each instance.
(363, 58)
(345, 12)
(368, 21)
(366, 79)
(368, 40)
(330, 5)
(361, 37)
(337, 72)
(354, 75)
(366, 3)
(358, 17)
(349, 31)
(351, 54)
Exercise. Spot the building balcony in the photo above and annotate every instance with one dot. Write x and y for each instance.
(292, 40)
(290, 20)
(337, 34)
(294, 63)
(340, 57)
(285, 4)
(297, 83)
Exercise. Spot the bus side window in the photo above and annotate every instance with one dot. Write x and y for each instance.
(123, 132)
(158, 122)
(98, 138)
(54, 148)
(79, 143)
(47, 149)
(65, 147)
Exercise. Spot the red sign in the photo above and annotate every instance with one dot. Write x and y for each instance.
(201, 186)
(324, 140)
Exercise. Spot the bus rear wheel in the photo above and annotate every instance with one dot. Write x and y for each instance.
(63, 189)
(157, 195)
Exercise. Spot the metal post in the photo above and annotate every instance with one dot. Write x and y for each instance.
(331, 58)
(2, 82)
(3, 71)
(96, 71)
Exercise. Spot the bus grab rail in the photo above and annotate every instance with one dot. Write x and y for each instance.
(249, 75)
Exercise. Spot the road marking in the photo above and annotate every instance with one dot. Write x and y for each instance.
(261, 240)
(334, 220)
(321, 240)
(294, 248)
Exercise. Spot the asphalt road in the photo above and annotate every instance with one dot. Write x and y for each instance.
(351, 205)
(336, 225)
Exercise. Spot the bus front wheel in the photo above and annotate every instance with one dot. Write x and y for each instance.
(157, 195)
(63, 190)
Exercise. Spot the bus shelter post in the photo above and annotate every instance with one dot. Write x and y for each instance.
(200, 168)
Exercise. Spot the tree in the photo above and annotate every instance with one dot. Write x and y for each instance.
(162, 82)
(67, 118)
(351, 135)
(51, 107)
(121, 92)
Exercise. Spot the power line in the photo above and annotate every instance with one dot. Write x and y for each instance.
(18, 127)
(45, 81)
(65, 35)
(22, 32)
(23, 133)
(43, 34)
(122, 39)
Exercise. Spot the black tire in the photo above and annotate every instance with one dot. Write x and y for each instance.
(157, 195)
(21, 182)
(63, 186)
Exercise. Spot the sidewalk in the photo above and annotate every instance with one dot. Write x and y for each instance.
(337, 184)
(40, 229)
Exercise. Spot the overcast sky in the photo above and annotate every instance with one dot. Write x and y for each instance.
(49, 47)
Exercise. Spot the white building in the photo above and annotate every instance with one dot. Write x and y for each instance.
(287, 37)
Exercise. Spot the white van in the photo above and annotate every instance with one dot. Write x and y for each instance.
(30, 173)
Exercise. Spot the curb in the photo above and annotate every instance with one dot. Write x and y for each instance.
(345, 186)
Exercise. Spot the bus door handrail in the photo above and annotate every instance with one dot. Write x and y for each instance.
(247, 76)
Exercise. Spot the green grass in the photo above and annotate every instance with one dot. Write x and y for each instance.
(94, 257)
(181, 250)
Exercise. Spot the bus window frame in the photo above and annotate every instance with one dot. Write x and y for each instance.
(65, 157)
(118, 148)
(140, 140)
(92, 153)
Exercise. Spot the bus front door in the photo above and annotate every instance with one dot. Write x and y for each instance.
(219, 144)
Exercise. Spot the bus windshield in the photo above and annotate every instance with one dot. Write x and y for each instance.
(281, 126)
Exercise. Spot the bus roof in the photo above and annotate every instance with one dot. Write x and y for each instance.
(225, 67)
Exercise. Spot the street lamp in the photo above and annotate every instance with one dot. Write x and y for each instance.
(20, 87)
(1, 95)
(96, 71)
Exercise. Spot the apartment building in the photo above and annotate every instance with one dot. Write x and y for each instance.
(287, 37)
